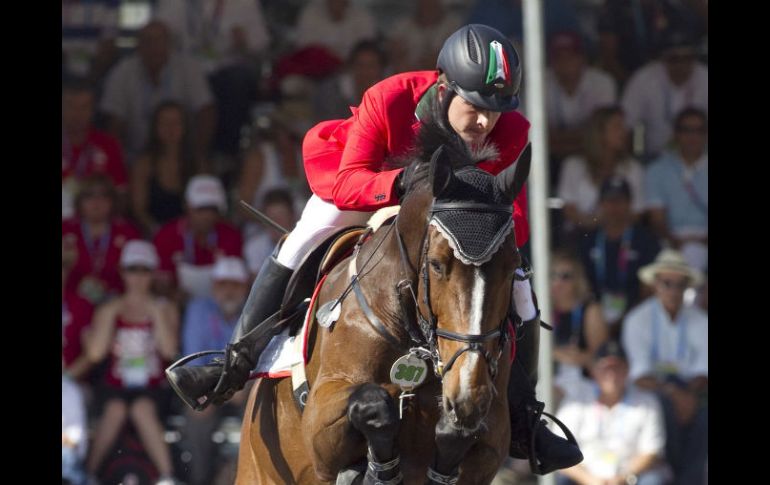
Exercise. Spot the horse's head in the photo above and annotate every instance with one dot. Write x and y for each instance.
(466, 266)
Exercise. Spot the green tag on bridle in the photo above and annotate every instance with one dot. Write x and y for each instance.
(408, 372)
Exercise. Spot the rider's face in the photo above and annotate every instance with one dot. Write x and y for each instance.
(472, 123)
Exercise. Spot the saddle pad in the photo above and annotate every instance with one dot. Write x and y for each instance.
(285, 351)
(382, 215)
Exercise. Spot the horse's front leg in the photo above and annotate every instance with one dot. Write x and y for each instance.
(342, 419)
(373, 412)
(452, 444)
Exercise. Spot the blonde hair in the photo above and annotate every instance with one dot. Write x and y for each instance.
(582, 286)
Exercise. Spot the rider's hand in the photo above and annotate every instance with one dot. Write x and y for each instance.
(408, 176)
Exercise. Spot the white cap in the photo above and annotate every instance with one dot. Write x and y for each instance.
(139, 253)
(230, 268)
(206, 191)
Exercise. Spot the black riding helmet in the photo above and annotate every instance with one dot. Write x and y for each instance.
(482, 66)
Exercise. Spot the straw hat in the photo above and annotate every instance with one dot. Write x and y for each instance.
(670, 261)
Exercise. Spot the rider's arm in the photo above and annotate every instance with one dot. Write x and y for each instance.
(360, 184)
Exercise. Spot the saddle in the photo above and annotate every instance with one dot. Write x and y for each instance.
(308, 280)
(319, 261)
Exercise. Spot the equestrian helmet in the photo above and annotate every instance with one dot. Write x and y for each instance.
(482, 66)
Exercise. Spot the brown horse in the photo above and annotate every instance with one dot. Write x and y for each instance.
(438, 281)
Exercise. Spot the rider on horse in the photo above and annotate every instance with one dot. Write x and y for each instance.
(476, 85)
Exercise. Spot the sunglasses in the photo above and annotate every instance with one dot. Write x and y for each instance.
(562, 275)
(137, 269)
(673, 284)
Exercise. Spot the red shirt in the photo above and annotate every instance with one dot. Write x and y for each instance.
(134, 361)
(344, 159)
(76, 313)
(97, 257)
(175, 242)
(99, 154)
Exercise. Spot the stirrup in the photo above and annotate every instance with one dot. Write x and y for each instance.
(539, 409)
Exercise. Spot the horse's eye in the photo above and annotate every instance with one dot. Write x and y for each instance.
(437, 266)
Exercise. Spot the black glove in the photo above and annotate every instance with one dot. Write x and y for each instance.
(412, 172)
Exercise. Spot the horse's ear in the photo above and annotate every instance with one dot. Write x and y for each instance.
(512, 179)
(440, 174)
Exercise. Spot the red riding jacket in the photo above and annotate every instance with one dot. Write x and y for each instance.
(344, 159)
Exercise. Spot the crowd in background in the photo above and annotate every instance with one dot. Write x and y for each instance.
(175, 110)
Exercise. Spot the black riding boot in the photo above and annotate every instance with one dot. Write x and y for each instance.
(550, 451)
(259, 322)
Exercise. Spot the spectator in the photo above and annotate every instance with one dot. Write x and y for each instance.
(86, 25)
(85, 150)
(278, 205)
(574, 91)
(74, 433)
(638, 28)
(606, 154)
(337, 25)
(415, 41)
(273, 161)
(614, 252)
(208, 324)
(618, 427)
(137, 334)
(219, 34)
(702, 300)
(661, 89)
(139, 83)
(667, 344)
(97, 235)
(678, 189)
(189, 246)
(159, 177)
(335, 96)
(506, 16)
(579, 328)
(76, 313)
(227, 38)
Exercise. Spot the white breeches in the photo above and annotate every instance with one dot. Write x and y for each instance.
(319, 220)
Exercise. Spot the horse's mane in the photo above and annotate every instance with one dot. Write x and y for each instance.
(435, 132)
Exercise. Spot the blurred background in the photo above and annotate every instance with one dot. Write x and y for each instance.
(174, 110)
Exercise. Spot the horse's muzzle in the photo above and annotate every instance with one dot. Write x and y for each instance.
(467, 412)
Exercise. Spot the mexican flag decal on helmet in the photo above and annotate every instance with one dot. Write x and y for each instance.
(498, 65)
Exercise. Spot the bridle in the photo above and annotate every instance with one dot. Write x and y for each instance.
(427, 333)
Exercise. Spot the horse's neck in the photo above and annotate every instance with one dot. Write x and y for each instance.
(380, 269)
